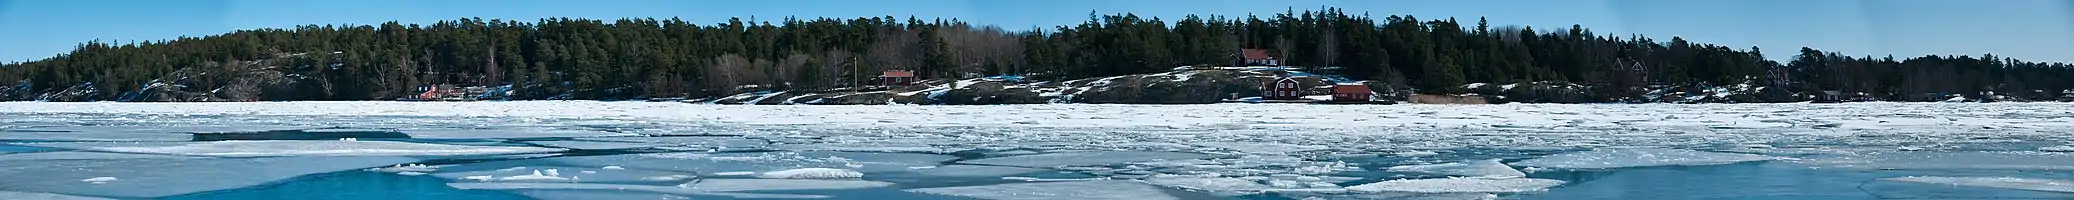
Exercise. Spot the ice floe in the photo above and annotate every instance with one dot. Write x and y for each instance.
(10, 195)
(1488, 167)
(587, 145)
(1087, 158)
(153, 178)
(812, 173)
(732, 185)
(972, 171)
(296, 148)
(79, 155)
(1459, 185)
(1220, 185)
(505, 133)
(555, 174)
(2016, 160)
(1089, 190)
(1622, 158)
(2062, 148)
(622, 187)
(2048, 185)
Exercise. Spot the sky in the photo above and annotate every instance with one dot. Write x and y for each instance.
(2035, 30)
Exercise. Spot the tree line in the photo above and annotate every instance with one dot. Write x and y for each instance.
(563, 58)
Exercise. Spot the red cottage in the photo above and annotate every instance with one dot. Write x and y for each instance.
(1351, 93)
(1282, 89)
(897, 77)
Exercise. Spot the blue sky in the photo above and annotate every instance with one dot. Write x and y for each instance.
(2039, 30)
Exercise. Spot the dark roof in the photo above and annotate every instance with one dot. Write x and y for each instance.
(897, 73)
(1255, 54)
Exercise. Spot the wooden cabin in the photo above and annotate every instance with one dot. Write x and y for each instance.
(1351, 93)
(897, 78)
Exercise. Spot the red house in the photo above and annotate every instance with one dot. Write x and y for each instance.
(1257, 57)
(1282, 89)
(897, 77)
(1351, 93)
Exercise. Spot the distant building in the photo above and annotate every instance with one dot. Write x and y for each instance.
(1351, 93)
(1257, 57)
(897, 77)
(1282, 89)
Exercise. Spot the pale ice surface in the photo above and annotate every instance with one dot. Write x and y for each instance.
(151, 178)
(1621, 157)
(505, 133)
(2062, 148)
(972, 171)
(588, 145)
(1487, 167)
(77, 155)
(295, 148)
(733, 185)
(1222, 185)
(2049, 185)
(564, 174)
(812, 173)
(2009, 160)
(1087, 158)
(1090, 190)
(622, 187)
(11, 195)
(1460, 185)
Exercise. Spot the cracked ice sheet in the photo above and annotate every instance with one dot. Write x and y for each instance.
(294, 148)
(1088, 158)
(674, 190)
(2048, 185)
(1089, 190)
(43, 196)
(2017, 160)
(506, 133)
(151, 178)
(1623, 158)
(1489, 167)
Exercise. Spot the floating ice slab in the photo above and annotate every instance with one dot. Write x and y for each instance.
(79, 155)
(1621, 158)
(1089, 190)
(297, 148)
(1087, 158)
(1221, 185)
(94, 136)
(812, 173)
(462, 174)
(619, 187)
(723, 143)
(2048, 185)
(1459, 185)
(1490, 168)
(2068, 148)
(734, 185)
(587, 145)
(506, 133)
(973, 171)
(43, 196)
(2019, 160)
(152, 178)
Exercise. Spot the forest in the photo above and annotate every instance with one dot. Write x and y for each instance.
(563, 58)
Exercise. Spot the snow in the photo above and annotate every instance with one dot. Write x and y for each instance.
(296, 148)
(10, 195)
(551, 175)
(1623, 158)
(401, 168)
(2048, 185)
(98, 180)
(1086, 158)
(812, 173)
(691, 142)
(1931, 160)
(78, 155)
(1087, 190)
(1485, 168)
(1459, 185)
(555, 174)
(153, 178)
(734, 173)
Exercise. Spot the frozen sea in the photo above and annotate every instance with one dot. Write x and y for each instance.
(641, 150)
